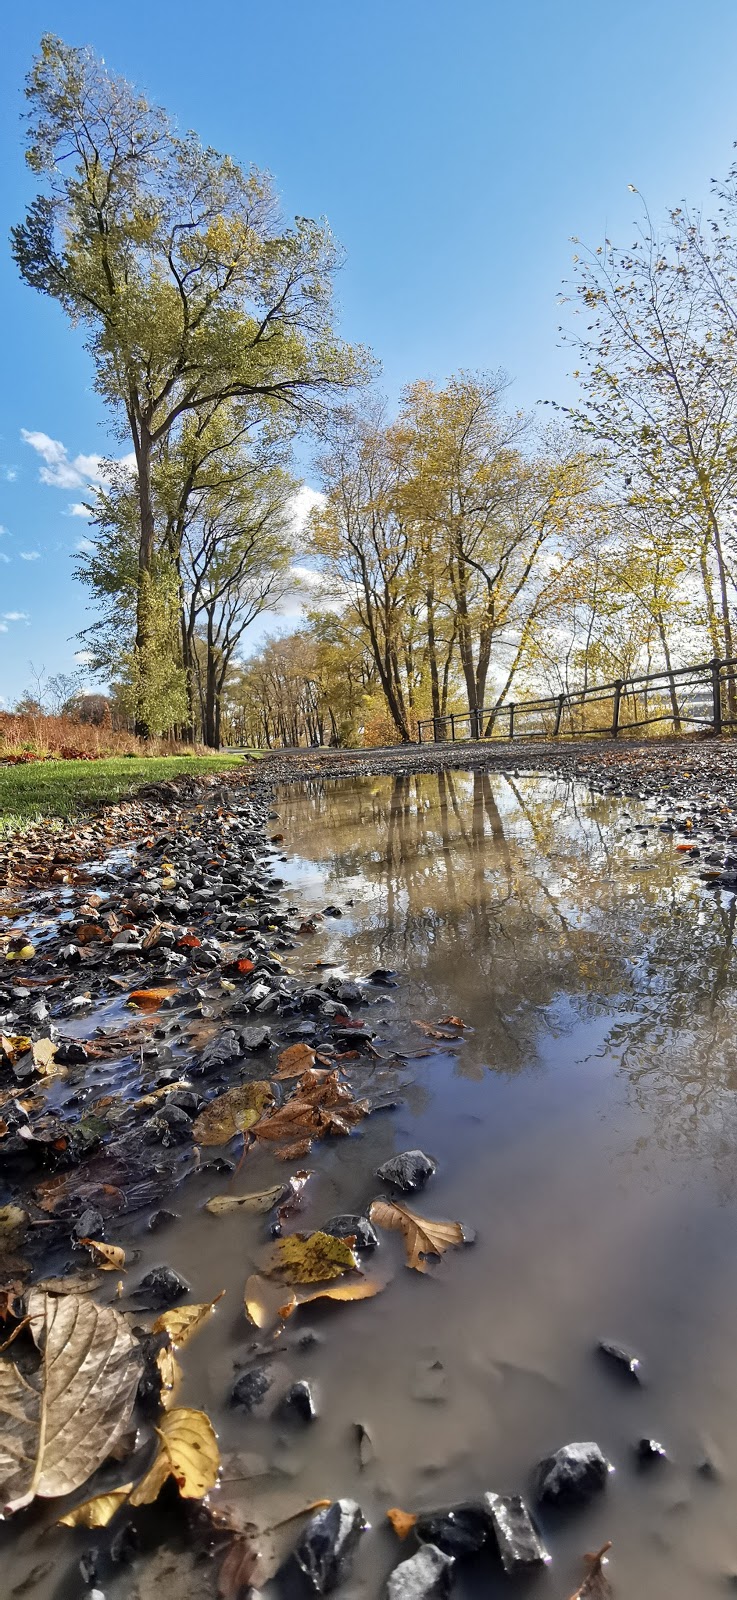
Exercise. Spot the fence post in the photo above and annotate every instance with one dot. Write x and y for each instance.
(420, 727)
(453, 726)
(716, 693)
(559, 715)
(511, 720)
(615, 709)
(435, 730)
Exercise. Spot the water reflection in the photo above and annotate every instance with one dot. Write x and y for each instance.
(528, 903)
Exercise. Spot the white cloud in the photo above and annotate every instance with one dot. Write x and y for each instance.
(84, 657)
(4, 558)
(15, 616)
(79, 510)
(61, 473)
(30, 555)
(84, 545)
(303, 502)
(3, 627)
(3, 530)
(8, 474)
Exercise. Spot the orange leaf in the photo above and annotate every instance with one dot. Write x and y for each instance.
(402, 1521)
(151, 999)
(292, 1062)
(89, 932)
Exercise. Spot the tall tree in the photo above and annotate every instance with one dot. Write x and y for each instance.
(192, 292)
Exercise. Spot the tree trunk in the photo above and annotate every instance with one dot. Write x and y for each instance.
(145, 560)
(432, 653)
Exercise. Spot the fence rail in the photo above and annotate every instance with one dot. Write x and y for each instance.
(703, 695)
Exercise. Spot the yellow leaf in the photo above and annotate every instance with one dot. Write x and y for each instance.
(233, 1112)
(188, 1453)
(268, 1303)
(261, 1201)
(309, 1258)
(43, 1054)
(97, 1513)
(422, 1238)
(113, 1257)
(14, 1045)
(24, 953)
(151, 999)
(171, 1374)
(184, 1321)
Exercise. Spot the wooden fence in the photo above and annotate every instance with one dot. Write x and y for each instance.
(703, 695)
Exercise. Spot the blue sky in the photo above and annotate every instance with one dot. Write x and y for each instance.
(455, 148)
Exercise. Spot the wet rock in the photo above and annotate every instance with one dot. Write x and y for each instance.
(254, 1039)
(573, 1474)
(161, 1219)
(70, 1052)
(299, 1401)
(332, 911)
(458, 1531)
(89, 1226)
(359, 1228)
(251, 1387)
(326, 1547)
(383, 977)
(619, 1356)
(428, 1575)
(648, 1451)
(408, 1171)
(162, 1286)
(518, 1540)
(168, 1126)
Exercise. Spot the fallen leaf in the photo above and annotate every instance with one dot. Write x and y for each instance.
(232, 1112)
(170, 1374)
(189, 941)
(292, 1062)
(238, 1567)
(263, 1200)
(309, 1258)
(422, 1237)
(113, 1257)
(402, 1521)
(294, 1152)
(453, 1022)
(14, 1045)
(268, 1303)
(91, 933)
(182, 1322)
(596, 1585)
(188, 1453)
(98, 1512)
(431, 1031)
(20, 951)
(13, 1227)
(44, 1051)
(151, 999)
(61, 1423)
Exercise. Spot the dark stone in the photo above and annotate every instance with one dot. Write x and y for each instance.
(161, 1219)
(220, 1052)
(332, 911)
(88, 1565)
(518, 1540)
(89, 1226)
(327, 1544)
(383, 977)
(427, 1575)
(620, 1356)
(573, 1474)
(407, 1171)
(162, 1286)
(299, 1401)
(458, 1531)
(346, 1227)
(253, 1039)
(648, 1451)
(125, 1545)
(70, 1052)
(250, 1388)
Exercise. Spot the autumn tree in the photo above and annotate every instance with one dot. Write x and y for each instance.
(192, 292)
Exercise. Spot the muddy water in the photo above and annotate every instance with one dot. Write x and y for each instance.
(586, 1128)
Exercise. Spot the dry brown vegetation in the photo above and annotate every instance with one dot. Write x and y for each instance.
(34, 736)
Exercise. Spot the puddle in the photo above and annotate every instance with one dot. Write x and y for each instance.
(585, 1127)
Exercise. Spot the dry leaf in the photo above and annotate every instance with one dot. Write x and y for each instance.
(59, 1425)
(14, 1045)
(292, 1062)
(402, 1521)
(238, 1567)
(264, 1200)
(233, 1112)
(97, 1513)
(309, 1258)
(596, 1585)
(431, 1031)
(91, 933)
(182, 1322)
(151, 999)
(422, 1237)
(113, 1257)
(44, 1052)
(170, 1374)
(188, 1453)
(453, 1022)
(268, 1303)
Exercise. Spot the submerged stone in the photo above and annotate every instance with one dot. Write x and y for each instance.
(618, 1355)
(347, 1226)
(458, 1531)
(299, 1401)
(648, 1451)
(573, 1474)
(249, 1390)
(162, 1286)
(327, 1544)
(427, 1575)
(518, 1540)
(408, 1171)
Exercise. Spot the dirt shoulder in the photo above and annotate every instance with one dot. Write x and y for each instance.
(699, 769)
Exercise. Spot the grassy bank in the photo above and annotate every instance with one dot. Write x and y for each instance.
(63, 788)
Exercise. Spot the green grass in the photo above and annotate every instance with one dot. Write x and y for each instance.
(58, 789)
